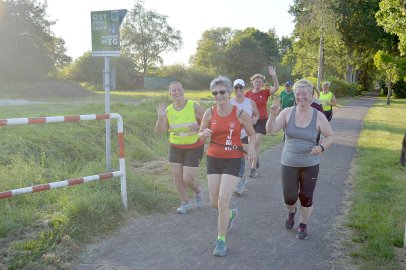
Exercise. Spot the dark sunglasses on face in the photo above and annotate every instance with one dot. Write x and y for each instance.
(238, 87)
(221, 92)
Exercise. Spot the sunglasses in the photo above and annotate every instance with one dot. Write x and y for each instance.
(221, 92)
(238, 87)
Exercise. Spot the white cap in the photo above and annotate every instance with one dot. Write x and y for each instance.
(239, 81)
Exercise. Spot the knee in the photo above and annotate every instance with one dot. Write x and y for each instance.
(223, 203)
(306, 200)
(290, 200)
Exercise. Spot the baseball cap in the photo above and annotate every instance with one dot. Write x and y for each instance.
(239, 81)
(288, 83)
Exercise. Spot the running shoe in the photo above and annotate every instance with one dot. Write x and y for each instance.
(240, 188)
(233, 215)
(257, 166)
(184, 208)
(199, 200)
(220, 249)
(290, 220)
(253, 173)
(301, 231)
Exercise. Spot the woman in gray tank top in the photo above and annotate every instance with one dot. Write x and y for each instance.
(300, 154)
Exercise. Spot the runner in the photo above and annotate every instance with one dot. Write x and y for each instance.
(182, 119)
(300, 156)
(249, 106)
(223, 124)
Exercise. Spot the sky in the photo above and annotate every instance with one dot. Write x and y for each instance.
(190, 17)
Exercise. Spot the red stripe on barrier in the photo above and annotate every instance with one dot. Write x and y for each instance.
(76, 181)
(39, 120)
(6, 194)
(102, 116)
(120, 136)
(75, 118)
(41, 188)
(105, 176)
(3, 122)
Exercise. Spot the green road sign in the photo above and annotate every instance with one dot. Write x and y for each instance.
(106, 31)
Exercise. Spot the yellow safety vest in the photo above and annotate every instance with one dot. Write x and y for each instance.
(180, 122)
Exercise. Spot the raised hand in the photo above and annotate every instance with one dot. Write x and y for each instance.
(275, 106)
(271, 71)
(161, 109)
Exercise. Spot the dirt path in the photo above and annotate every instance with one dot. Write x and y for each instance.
(258, 240)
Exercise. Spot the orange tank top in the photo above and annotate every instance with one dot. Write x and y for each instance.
(225, 137)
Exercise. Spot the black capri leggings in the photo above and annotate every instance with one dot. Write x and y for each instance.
(299, 182)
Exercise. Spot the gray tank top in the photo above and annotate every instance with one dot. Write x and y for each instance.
(299, 143)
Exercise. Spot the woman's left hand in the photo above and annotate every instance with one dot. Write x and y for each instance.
(251, 154)
(316, 150)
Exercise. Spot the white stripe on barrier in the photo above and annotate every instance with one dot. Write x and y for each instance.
(21, 191)
(17, 121)
(88, 117)
(55, 119)
(59, 184)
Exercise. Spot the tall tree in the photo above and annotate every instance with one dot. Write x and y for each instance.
(392, 16)
(211, 48)
(251, 51)
(361, 35)
(392, 68)
(315, 20)
(29, 50)
(147, 35)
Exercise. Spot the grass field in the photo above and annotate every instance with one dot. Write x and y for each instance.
(48, 229)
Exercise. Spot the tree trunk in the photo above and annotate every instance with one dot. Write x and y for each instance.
(349, 73)
(389, 93)
(321, 61)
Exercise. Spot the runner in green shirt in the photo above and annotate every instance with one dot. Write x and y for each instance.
(287, 98)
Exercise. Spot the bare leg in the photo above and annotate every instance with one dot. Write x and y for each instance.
(177, 174)
(227, 187)
(305, 213)
(189, 178)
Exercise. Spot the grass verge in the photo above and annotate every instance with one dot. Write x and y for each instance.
(376, 218)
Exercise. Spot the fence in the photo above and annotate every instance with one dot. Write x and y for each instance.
(55, 119)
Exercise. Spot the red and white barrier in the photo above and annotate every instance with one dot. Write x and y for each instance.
(55, 119)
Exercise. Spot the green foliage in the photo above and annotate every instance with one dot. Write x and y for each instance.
(211, 48)
(341, 88)
(392, 17)
(253, 50)
(89, 70)
(399, 89)
(28, 50)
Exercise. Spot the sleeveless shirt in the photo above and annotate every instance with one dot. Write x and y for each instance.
(225, 135)
(179, 122)
(299, 143)
(245, 106)
(323, 97)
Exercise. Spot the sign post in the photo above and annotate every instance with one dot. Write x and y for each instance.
(105, 27)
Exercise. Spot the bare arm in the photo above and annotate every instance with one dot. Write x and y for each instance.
(328, 135)
(161, 125)
(204, 131)
(255, 112)
(247, 124)
(333, 101)
(272, 73)
(277, 121)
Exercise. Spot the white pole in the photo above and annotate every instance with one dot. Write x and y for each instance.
(107, 110)
(404, 240)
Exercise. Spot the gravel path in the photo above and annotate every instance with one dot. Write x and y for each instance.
(258, 240)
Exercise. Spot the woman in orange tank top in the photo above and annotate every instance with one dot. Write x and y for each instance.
(223, 124)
